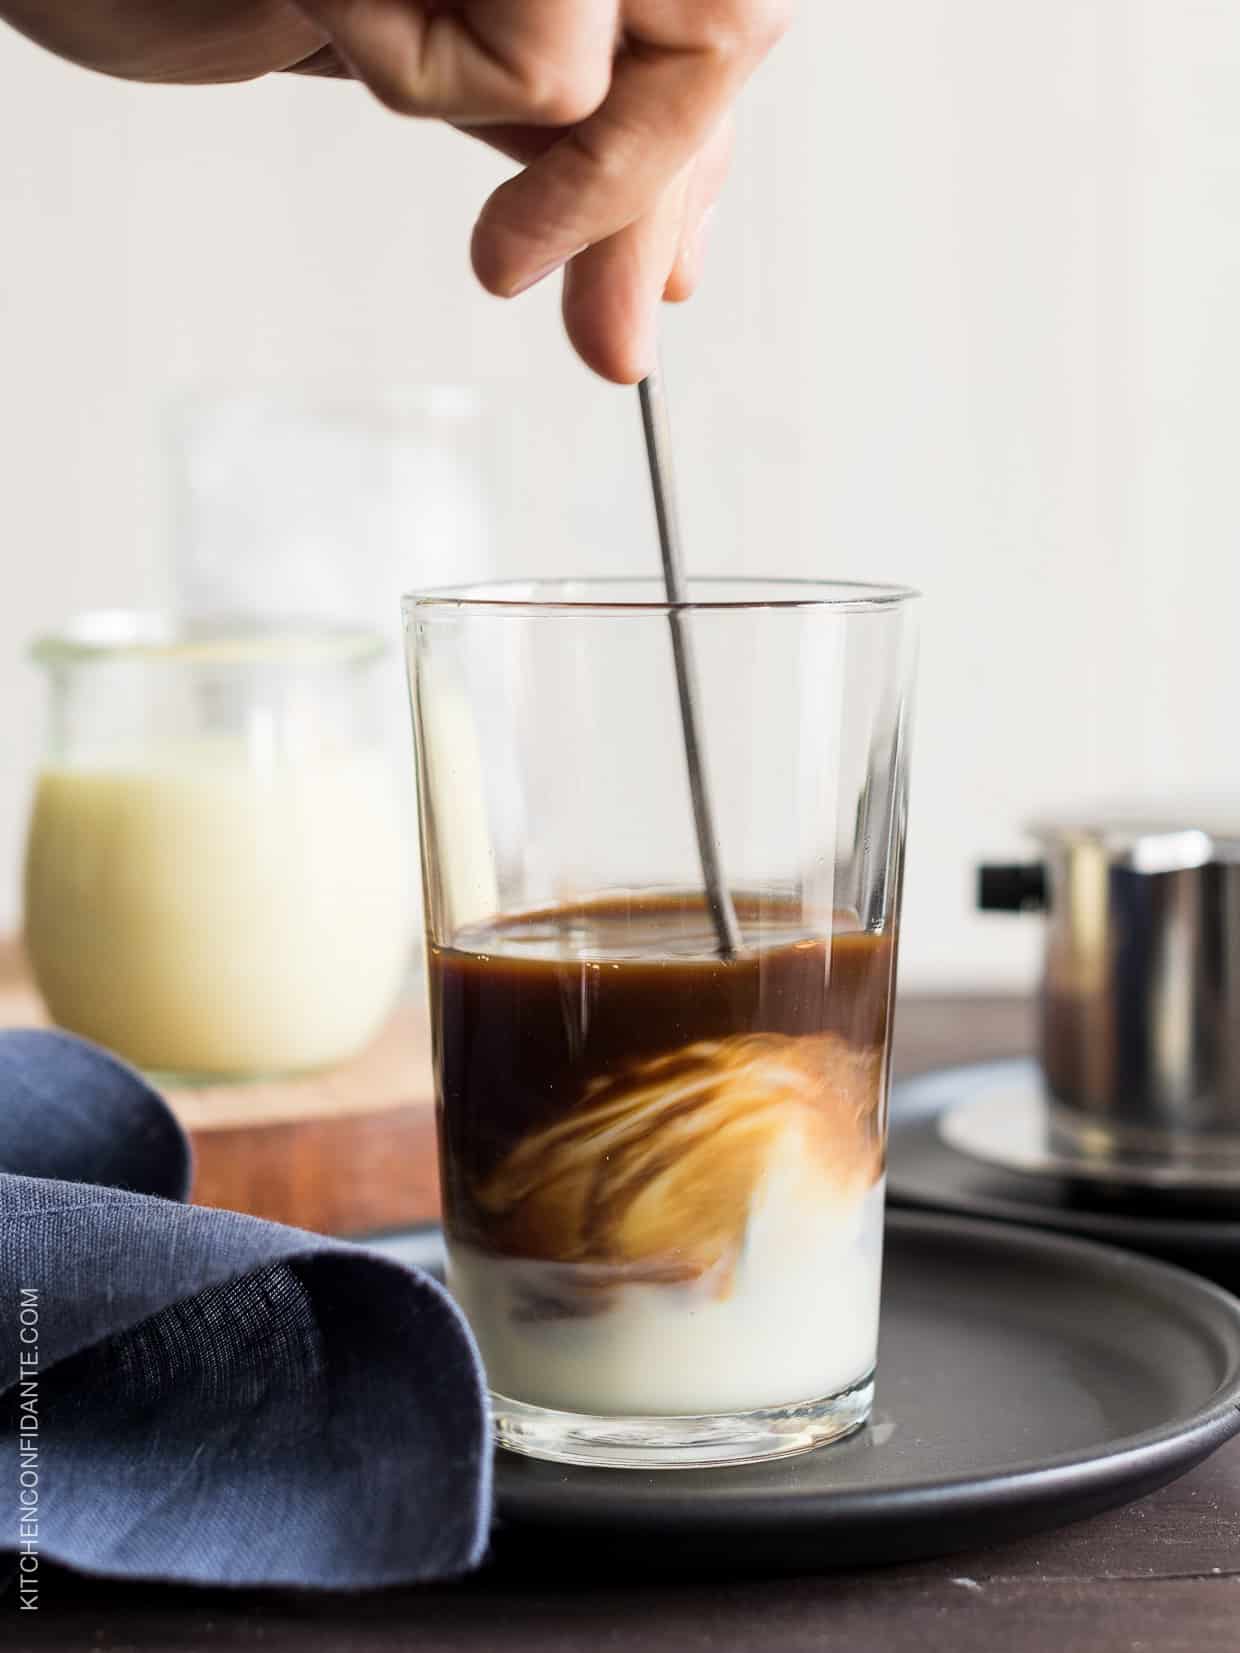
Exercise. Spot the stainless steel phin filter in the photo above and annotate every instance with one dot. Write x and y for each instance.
(1140, 1000)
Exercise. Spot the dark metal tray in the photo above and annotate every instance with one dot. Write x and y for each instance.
(1025, 1380)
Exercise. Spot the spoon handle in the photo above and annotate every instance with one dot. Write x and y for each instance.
(658, 453)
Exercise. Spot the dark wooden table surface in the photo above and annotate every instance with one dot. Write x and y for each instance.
(1162, 1574)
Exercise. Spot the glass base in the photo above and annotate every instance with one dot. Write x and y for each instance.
(681, 1442)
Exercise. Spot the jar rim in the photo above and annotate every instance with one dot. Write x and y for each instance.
(211, 639)
(643, 594)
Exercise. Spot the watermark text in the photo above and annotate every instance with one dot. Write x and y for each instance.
(28, 1450)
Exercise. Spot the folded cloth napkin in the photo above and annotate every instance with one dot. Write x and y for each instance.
(202, 1396)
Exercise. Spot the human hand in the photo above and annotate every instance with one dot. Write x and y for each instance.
(619, 111)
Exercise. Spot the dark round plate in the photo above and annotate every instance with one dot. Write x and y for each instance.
(1024, 1380)
(1195, 1231)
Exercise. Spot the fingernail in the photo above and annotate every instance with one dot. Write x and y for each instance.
(646, 352)
(542, 275)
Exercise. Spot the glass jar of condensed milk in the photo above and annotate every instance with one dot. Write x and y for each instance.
(216, 878)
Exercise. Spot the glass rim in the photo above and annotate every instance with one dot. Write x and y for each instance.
(753, 593)
(224, 639)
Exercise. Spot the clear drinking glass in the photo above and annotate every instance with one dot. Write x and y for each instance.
(216, 872)
(662, 1167)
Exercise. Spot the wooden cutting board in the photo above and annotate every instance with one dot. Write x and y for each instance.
(344, 1152)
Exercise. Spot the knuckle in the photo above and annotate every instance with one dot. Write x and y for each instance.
(399, 96)
(605, 149)
(743, 29)
(556, 96)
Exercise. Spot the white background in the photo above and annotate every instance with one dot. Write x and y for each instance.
(971, 321)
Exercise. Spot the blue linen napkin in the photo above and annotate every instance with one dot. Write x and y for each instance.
(211, 1398)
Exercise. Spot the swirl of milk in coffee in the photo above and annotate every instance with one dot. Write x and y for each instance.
(654, 1174)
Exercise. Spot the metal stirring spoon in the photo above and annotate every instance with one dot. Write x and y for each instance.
(659, 456)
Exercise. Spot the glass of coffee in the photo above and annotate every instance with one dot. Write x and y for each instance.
(662, 1157)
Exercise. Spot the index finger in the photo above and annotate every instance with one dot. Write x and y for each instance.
(605, 173)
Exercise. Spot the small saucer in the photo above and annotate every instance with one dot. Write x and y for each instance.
(1198, 1230)
(1017, 1126)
